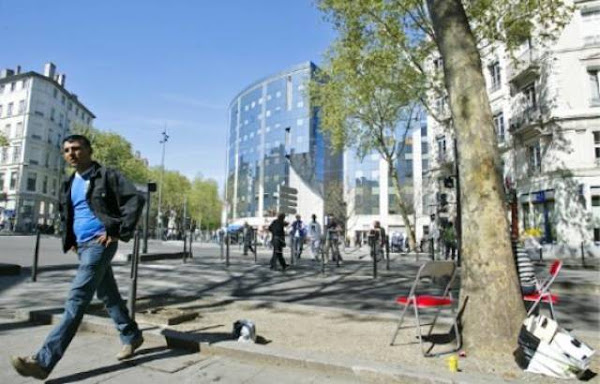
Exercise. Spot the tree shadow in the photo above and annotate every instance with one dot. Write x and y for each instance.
(145, 356)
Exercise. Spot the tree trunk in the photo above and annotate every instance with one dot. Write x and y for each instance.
(490, 287)
(393, 174)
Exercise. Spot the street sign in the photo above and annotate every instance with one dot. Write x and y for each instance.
(287, 199)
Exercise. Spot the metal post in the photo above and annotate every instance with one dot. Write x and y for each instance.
(431, 248)
(164, 140)
(387, 252)
(292, 250)
(35, 256)
(582, 255)
(227, 249)
(184, 245)
(191, 254)
(541, 252)
(134, 274)
(222, 240)
(254, 240)
(146, 221)
(323, 247)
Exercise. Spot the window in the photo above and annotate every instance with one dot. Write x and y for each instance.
(499, 125)
(55, 93)
(441, 148)
(534, 154)
(494, 69)
(31, 181)
(24, 84)
(6, 131)
(595, 86)
(53, 187)
(21, 107)
(70, 106)
(13, 85)
(45, 185)
(530, 98)
(438, 64)
(62, 100)
(3, 155)
(288, 93)
(52, 113)
(1, 182)
(19, 130)
(13, 180)
(597, 145)
(61, 120)
(0, 110)
(16, 154)
(9, 110)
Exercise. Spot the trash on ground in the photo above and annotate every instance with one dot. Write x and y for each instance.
(244, 331)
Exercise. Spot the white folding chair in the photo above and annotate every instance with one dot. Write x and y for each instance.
(438, 273)
(542, 293)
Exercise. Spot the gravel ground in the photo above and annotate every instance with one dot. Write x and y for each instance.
(336, 333)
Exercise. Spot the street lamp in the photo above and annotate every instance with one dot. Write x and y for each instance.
(163, 141)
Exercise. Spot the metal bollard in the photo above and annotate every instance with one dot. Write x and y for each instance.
(221, 246)
(323, 246)
(387, 253)
(227, 250)
(254, 240)
(374, 256)
(541, 253)
(184, 246)
(431, 248)
(135, 258)
(35, 256)
(292, 250)
(191, 254)
(582, 255)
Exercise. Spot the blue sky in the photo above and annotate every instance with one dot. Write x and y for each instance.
(141, 65)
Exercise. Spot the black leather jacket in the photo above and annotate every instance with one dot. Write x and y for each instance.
(112, 198)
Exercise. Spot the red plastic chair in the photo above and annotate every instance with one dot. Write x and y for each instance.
(543, 293)
(436, 271)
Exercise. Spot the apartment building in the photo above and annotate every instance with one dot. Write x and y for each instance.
(546, 111)
(36, 113)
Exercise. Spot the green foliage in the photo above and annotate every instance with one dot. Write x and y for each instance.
(3, 140)
(204, 203)
(113, 150)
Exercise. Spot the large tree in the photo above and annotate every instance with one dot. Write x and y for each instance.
(113, 150)
(456, 31)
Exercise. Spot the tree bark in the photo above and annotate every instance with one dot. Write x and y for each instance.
(490, 287)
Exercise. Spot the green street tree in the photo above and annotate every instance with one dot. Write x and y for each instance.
(3, 140)
(363, 104)
(456, 31)
(113, 150)
(204, 204)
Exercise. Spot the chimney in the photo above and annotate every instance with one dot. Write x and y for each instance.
(18, 69)
(61, 79)
(7, 73)
(49, 70)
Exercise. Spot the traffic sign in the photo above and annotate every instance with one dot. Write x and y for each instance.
(287, 199)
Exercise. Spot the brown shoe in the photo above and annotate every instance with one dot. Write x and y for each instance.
(28, 367)
(128, 350)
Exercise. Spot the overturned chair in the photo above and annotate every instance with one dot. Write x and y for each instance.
(431, 275)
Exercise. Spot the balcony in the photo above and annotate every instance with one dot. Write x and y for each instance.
(528, 117)
(525, 68)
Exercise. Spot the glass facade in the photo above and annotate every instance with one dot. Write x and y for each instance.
(272, 128)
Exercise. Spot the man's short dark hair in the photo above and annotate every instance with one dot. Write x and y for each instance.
(79, 138)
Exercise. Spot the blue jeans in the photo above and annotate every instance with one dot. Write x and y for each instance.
(94, 275)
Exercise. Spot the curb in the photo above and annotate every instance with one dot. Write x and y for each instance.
(10, 269)
(153, 256)
(361, 369)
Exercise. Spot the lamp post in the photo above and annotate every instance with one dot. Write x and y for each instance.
(163, 141)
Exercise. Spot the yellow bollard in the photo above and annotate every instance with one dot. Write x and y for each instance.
(452, 363)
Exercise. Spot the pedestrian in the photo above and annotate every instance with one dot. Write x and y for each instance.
(449, 237)
(298, 234)
(333, 239)
(248, 237)
(98, 206)
(434, 235)
(314, 232)
(277, 229)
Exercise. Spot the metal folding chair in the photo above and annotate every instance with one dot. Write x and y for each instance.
(440, 274)
(543, 293)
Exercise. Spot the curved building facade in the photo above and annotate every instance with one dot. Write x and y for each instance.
(274, 138)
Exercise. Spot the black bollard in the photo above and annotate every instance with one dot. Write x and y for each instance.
(431, 248)
(191, 254)
(35, 256)
(387, 253)
(582, 255)
(323, 246)
(292, 250)
(135, 258)
(184, 246)
(227, 250)
(541, 253)
(221, 246)
(255, 241)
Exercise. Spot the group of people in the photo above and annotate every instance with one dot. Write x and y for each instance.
(299, 232)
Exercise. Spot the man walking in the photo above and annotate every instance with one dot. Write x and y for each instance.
(298, 233)
(314, 232)
(248, 234)
(277, 229)
(98, 206)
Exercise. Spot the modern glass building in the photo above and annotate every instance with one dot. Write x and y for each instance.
(369, 189)
(273, 139)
